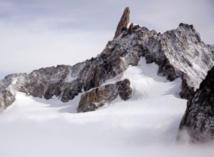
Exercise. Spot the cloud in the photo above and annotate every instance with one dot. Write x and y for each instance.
(24, 51)
(39, 33)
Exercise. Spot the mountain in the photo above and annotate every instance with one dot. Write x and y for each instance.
(179, 54)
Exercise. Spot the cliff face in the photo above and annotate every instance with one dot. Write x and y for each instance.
(198, 120)
(179, 53)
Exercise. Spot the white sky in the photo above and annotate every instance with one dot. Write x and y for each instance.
(38, 33)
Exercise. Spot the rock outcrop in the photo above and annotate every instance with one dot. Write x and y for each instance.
(123, 23)
(179, 53)
(198, 120)
(97, 97)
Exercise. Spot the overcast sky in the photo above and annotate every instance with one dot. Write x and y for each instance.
(40, 33)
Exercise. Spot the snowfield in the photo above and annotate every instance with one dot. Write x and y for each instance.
(146, 125)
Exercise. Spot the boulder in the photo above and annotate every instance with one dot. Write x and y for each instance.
(124, 89)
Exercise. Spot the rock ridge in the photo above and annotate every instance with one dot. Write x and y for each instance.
(179, 53)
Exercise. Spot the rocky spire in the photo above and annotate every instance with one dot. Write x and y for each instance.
(124, 20)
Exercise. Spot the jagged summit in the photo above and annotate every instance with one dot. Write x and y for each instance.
(179, 53)
(124, 20)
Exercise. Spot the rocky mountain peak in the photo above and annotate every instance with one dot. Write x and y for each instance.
(124, 20)
(179, 53)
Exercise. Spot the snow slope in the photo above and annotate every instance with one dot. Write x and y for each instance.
(145, 125)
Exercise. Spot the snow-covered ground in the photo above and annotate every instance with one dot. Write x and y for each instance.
(145, 125)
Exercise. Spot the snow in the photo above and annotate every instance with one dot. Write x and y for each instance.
(197, 60)
(70, 77)
(145, 125)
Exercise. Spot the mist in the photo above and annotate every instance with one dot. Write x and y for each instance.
(35, 127)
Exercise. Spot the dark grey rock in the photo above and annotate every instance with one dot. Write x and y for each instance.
(198, 120)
